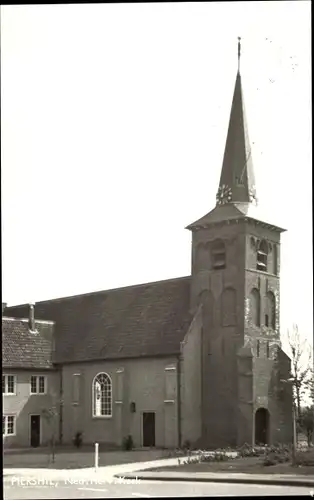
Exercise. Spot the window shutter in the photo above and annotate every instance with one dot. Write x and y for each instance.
(120, 377)
(76, 388)
(170, 383)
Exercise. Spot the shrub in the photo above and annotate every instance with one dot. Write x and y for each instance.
(187, 445)
(78, 439)
(249, 451)
(305, 458)
(214, 457)
(277, 454)
(270, 459)
(127, 443)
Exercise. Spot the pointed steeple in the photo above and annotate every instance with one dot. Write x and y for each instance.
(237, 183)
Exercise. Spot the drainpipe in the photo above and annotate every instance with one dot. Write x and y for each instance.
(60, 406)
(179, 400)
(31, 319)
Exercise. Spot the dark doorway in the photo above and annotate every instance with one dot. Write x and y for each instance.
(149, 429)
(261, 426)
(35, 430)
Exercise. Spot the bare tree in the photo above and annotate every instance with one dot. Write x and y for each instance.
(301, 367)
(310, 410)
(51, 415)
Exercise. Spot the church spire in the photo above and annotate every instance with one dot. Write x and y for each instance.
(237, 184)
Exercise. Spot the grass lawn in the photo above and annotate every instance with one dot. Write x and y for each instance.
(76, 459)
(249, 465)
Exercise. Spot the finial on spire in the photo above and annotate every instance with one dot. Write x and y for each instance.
(239, 52)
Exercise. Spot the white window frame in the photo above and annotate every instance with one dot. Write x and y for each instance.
(93, 396)
(6, 393)
(37, 393)
(6, 418)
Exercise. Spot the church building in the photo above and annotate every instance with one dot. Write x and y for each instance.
(195, 358)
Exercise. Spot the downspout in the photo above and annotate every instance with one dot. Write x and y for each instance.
(202, 387)
(179, 399)
(61, 407)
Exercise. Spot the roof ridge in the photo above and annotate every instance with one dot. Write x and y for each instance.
(100, 291)
(40, 321)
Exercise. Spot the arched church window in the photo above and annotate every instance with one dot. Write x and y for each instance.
(262, 255)
(102, 395)
(270, 316)
(255, 301)
(218, 255)
(228, 303)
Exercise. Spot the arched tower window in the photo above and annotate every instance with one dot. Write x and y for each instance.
(102, 395)
(270, 315)
(267, 350)
(202, 257)
(262, 254)
(228, 305)
(255, 301)
(218, 255)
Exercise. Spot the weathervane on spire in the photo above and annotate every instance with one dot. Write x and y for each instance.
(239, 52)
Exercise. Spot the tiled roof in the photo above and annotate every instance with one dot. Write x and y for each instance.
(218, 214)
(141, 320)
(231, 211)
(22, 348)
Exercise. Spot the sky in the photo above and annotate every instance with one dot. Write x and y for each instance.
(114, 119)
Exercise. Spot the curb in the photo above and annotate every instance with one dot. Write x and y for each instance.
(307, 483)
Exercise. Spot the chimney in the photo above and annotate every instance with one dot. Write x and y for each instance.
(31, 320)
(4, 305)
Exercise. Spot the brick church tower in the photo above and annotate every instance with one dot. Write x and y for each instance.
(235, 281)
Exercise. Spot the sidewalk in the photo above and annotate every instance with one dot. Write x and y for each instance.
(90, 473)
(141, 471)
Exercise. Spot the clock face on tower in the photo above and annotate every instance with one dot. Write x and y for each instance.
(224, 194)
(252, 194)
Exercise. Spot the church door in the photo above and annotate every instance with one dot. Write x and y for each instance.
(149, 429)
(261, 426)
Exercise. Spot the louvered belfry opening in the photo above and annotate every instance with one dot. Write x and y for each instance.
(262, 253)
(218, 254)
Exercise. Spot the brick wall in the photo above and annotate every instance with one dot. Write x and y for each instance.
(230, 399)
(191, 382)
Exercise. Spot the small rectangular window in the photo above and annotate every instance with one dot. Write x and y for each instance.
(11, 384)
(257, 348)
(11, 422)
(33, 385)
(8, 384)
(41, 388)
(38, 384)
(8, 425)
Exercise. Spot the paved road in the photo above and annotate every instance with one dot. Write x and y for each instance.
(143, 489)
